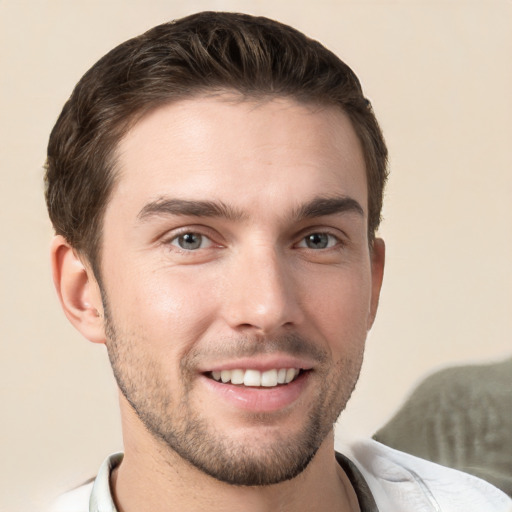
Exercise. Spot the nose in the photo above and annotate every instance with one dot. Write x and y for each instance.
(262, 293)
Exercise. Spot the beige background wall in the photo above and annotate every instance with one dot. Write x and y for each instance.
(440, 77)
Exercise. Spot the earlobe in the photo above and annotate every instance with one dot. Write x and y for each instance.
(78, 291)
(378, 257)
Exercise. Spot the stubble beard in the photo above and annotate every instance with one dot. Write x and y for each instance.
(182, 429)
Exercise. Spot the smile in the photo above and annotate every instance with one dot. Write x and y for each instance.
(255, 378)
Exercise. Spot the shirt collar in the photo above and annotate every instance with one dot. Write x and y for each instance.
(101, 496)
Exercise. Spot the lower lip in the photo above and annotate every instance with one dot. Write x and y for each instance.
(259, 399)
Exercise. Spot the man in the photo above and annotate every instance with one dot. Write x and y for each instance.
(215, 185)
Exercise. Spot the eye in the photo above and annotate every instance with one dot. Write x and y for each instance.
(318, 241)
(191, 241)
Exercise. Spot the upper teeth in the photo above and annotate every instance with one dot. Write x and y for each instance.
(268, 378)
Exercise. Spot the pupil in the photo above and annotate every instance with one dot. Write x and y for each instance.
(190, 241)
(317, 241)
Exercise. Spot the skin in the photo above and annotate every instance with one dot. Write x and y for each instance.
(272, 282)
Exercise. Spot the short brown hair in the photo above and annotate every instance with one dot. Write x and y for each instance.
(201, 53)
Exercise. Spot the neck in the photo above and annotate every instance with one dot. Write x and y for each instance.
(153, 477)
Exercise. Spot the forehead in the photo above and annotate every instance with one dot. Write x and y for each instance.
(239, 151)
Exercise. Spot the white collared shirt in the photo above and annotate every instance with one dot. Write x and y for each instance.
(397, 482)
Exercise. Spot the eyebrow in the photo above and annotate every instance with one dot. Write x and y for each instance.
(321, 206)
(317, 207)
(184, 207)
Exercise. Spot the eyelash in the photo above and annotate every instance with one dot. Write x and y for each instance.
(172, 241)
(202, 238)
(332, 239)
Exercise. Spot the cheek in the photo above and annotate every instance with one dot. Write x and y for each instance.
(171, 310)
(340, 309)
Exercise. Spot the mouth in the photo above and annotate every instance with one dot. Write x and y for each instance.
(269, 388)
(256, 379)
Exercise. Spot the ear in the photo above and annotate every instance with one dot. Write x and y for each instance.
(378, 256)
(78, 290)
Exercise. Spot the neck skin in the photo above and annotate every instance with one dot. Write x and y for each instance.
(152, 477)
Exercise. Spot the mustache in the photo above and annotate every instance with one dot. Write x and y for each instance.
(251, 346)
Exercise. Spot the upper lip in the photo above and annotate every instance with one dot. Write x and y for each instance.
(261, 363)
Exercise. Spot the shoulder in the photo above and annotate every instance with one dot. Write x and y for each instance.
(95, 494)
(76, 500)
(402, 482)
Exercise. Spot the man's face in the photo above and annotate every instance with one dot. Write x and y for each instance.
(237, 280)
